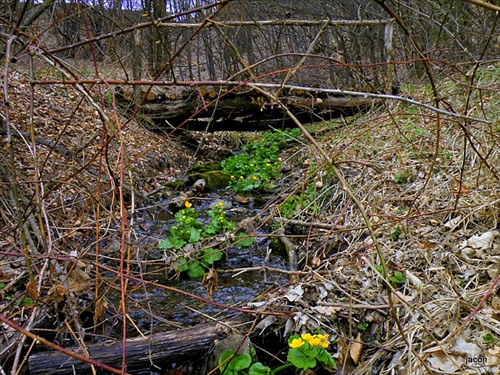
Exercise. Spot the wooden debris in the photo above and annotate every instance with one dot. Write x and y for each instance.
(142, 352)
(241, 109)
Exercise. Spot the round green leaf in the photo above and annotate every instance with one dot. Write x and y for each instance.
(259, 369)
(195, 269)
(300, 360)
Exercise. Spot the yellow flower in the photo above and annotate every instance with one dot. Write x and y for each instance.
(268, 164)
(306, 336)
(220, 204)
(232, 176)
(187, 204)
(323, 337)
(314, 341)
(296, 343)
(254, 177)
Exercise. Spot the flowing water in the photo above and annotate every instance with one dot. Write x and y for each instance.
(177, 309)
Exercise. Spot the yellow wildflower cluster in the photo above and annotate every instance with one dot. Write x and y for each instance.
(313, 340)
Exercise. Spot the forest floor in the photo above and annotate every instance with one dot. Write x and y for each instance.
(427, 183)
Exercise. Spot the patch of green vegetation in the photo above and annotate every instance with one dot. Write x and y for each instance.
(190, 230)
(404, 176)
(362, 327)
(214, 179)
(187, 230)
(205, 167)
(20, 301)
(196, 268)
(489, 338)
(396, 232)
(397, 278)
(305, 352)
(298, 202)
(257, 163)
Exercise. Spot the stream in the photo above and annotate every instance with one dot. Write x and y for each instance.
(233, 289)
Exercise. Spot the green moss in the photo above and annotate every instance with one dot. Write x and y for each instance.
(277, 246)
(206, 167)
(214, 179)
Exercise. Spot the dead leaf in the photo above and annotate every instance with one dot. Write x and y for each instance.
(443, 362)
(77, 279)
(356, 349)
(495, 303)
(56, 293)
(295, 293)
(459, 188)
(328, 311)
(31, 289)
(483, 242)
(427, 244)
(211, 281)
(241, 199)
(453, 223)
(100, 306)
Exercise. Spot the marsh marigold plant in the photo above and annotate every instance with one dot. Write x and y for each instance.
(307, 350)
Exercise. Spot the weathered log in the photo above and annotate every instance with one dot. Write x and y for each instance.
(141, 353)
(248, 111)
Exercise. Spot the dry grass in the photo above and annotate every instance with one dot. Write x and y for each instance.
(434, 209)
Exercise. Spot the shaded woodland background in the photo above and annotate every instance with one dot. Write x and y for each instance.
(174, 41)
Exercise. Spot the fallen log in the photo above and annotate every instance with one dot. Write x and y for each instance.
(158, 349)
(216, 110)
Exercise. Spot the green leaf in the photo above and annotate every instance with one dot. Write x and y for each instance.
(178, 243)
(326, 358)
(183, 264)
(195, 269)
(244, 240)
(398, 278)
(489, 338)
(226, 367)
(210, 256)
(242, 361)
(239, 362)
(259, 369)
(399, 275)
(194, 235)
(171, 242)
(165, 244)
(300, 360)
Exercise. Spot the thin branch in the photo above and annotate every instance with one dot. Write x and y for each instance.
(327, 22)
(485, 5)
